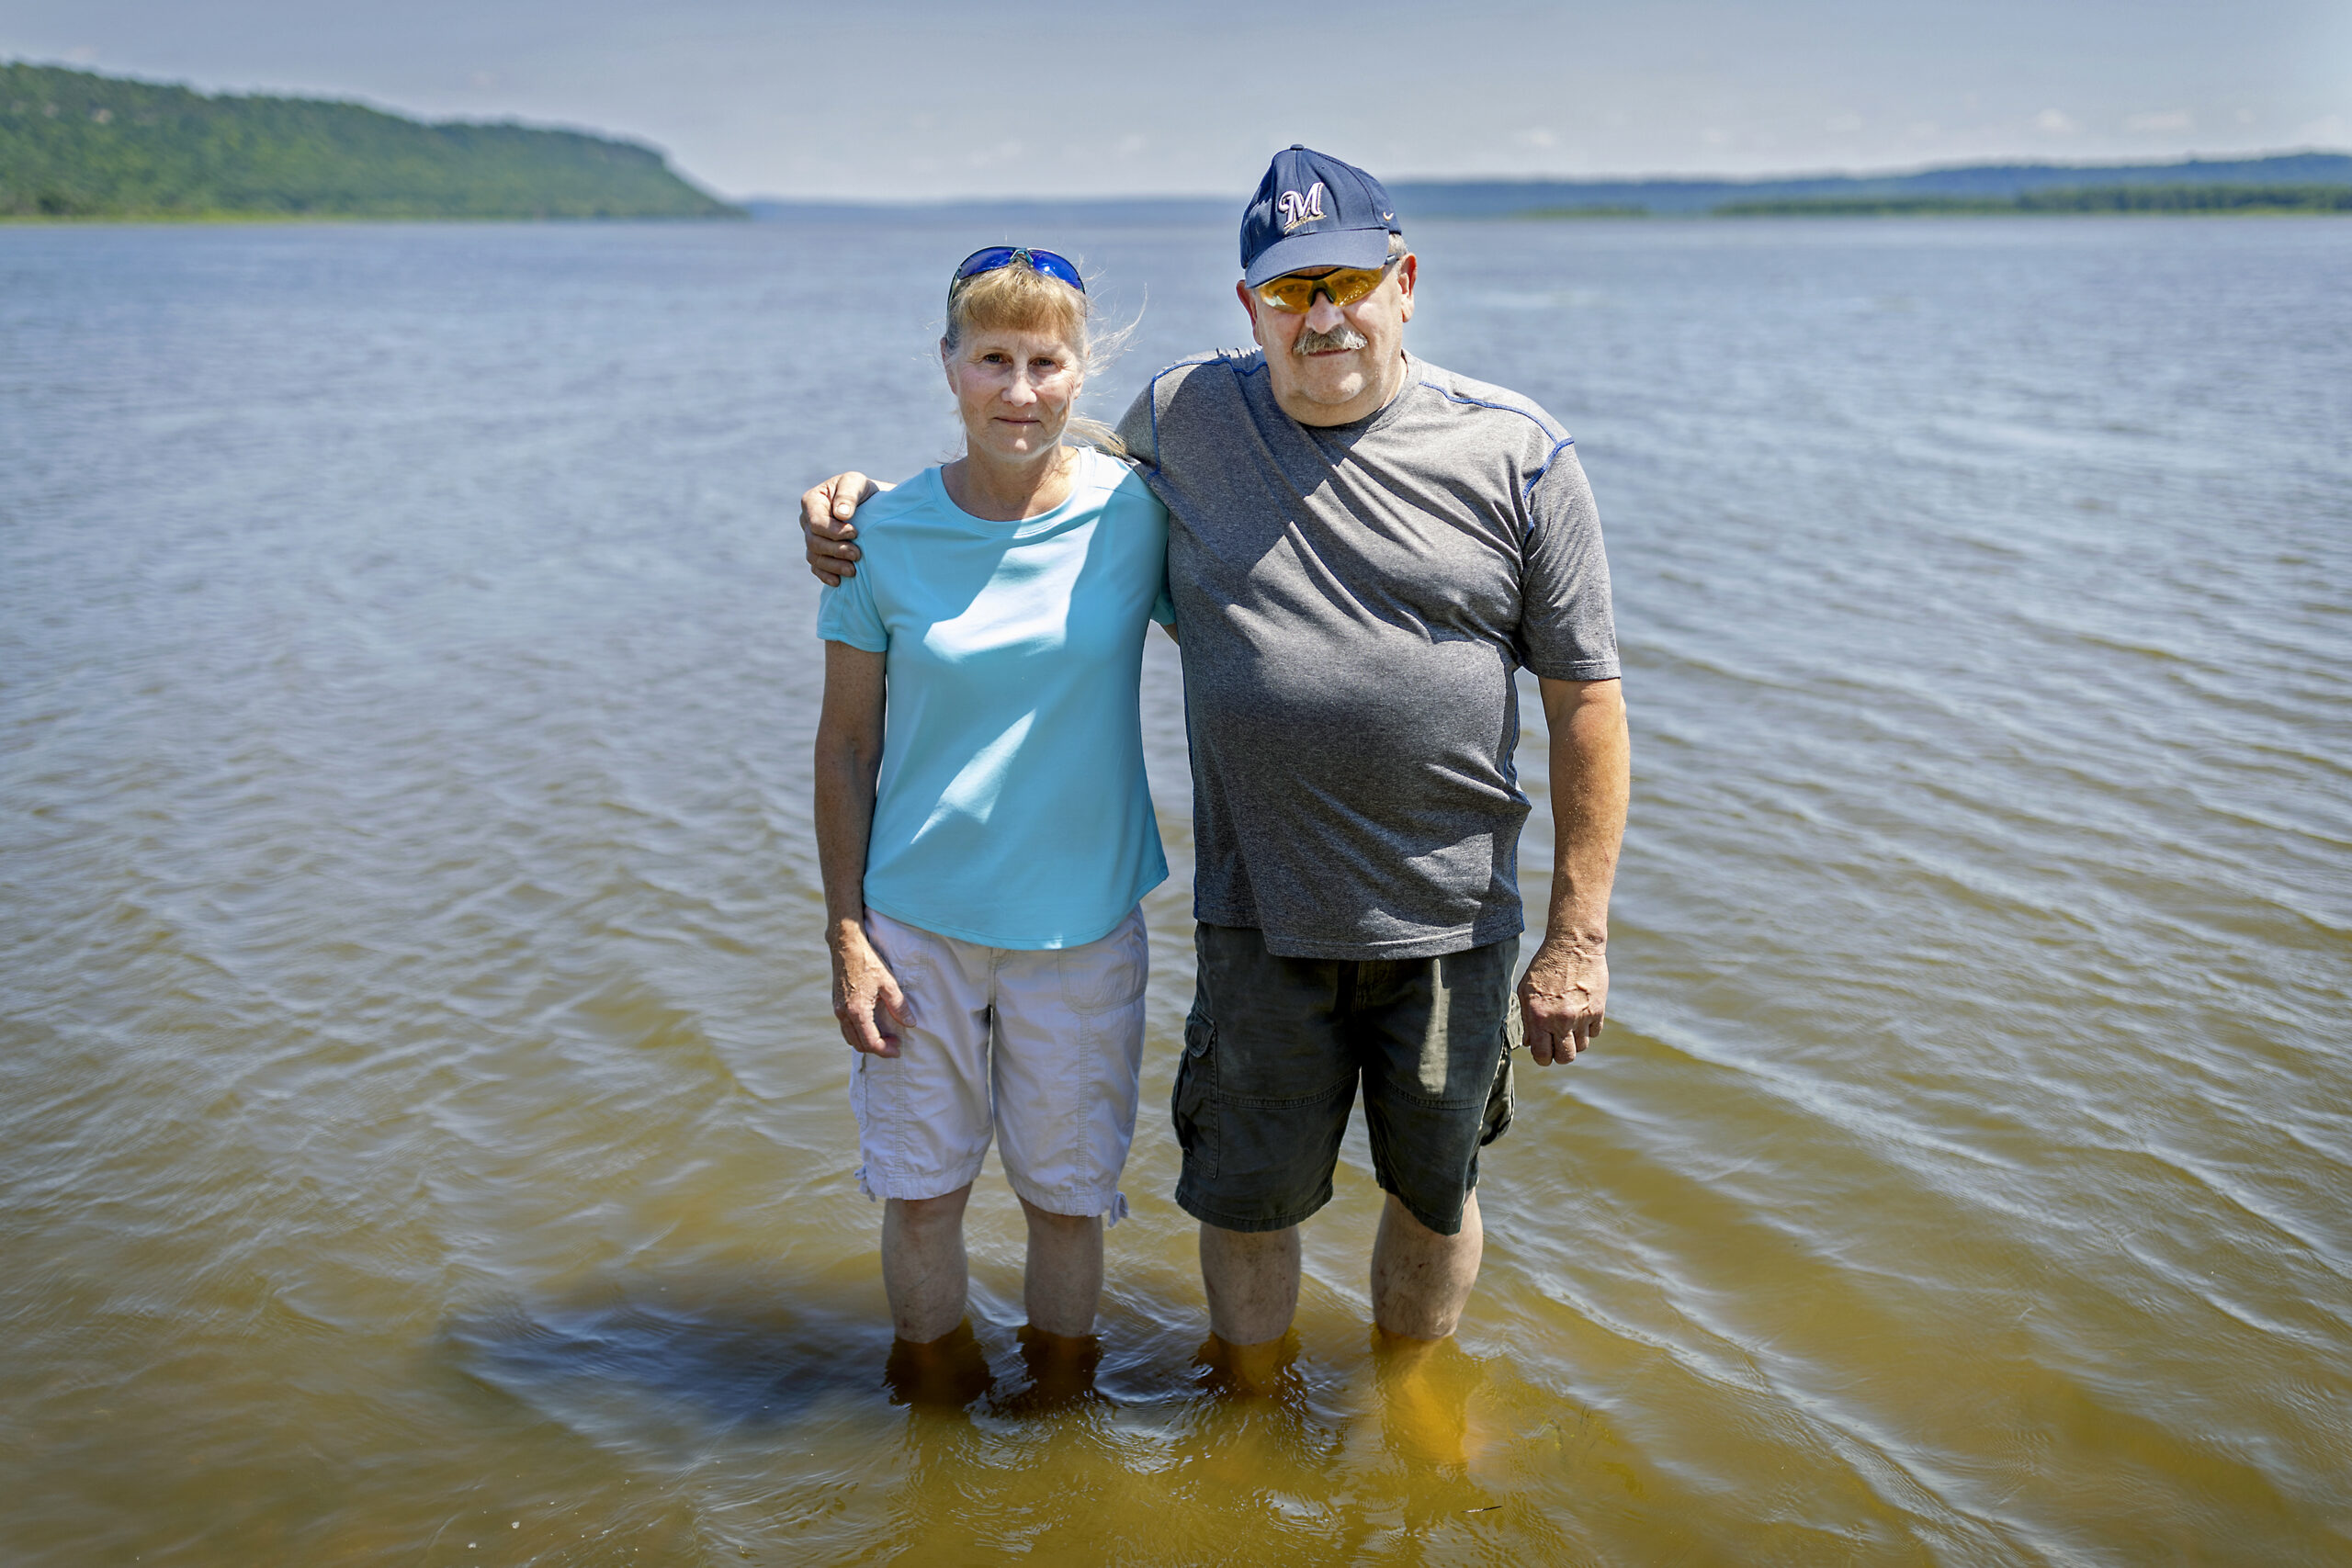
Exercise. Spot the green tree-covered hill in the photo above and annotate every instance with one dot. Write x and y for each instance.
(75, 144)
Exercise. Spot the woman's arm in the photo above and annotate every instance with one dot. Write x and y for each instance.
(849, 756)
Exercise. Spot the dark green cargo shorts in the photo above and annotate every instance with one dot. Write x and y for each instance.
(1272, 1053)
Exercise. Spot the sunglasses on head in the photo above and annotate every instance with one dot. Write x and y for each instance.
(1296, 294)
(994, 256)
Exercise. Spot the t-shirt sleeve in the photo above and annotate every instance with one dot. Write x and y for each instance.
(1163, 605)
(1135, 429)
(1566, 628)
(847, 614)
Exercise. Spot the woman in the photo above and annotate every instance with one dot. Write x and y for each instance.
(982, 816)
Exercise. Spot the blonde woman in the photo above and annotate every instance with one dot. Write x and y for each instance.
(982, 816)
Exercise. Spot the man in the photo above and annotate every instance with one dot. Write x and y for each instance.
(1363, 548)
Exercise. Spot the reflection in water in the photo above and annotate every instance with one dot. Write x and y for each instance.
(424, 1137)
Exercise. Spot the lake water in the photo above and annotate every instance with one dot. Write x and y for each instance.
(423, 1139)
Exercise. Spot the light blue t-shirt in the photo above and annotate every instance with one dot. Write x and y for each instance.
(1013, 809)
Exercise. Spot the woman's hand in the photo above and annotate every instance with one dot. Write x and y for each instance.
(865, 993)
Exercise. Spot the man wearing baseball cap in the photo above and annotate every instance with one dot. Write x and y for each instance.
(1363, 549)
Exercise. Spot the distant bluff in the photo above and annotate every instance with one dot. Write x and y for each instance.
(75, 144)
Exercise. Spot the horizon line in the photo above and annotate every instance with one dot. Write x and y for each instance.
(1896, 171)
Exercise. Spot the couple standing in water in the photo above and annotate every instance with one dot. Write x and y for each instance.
(1357, 550)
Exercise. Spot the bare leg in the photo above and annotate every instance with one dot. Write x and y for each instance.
(1421, 1280)
(1064, 1276)
(922, 1264)
(1251, 1280)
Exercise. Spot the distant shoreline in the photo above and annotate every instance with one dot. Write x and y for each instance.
(2297, 181)
(2290, 183)
(2075, 201)
(1563, 215)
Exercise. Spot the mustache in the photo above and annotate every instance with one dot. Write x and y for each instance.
(1344, 337)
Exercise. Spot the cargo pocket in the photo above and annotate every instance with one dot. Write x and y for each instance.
(1192, 1107)
(1502, 1102)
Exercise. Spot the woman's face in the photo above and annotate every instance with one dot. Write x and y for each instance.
(1013, 388)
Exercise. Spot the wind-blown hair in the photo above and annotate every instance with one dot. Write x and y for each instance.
(1022, 299)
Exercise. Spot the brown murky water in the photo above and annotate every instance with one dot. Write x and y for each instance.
(422, 1140)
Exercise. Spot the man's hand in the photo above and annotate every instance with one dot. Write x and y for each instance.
(865, 993)
(825, 514)
(1567, 988)
(1562, 999)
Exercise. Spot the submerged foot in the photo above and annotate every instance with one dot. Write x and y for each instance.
(1248, 1369)
(1425, 1386)
(948, 1372)
(1061, 1371)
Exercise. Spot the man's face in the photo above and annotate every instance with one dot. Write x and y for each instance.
(1331, 364)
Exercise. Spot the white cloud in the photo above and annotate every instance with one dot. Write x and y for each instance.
(1002, 153)
(2170, 119)
(2057, 122)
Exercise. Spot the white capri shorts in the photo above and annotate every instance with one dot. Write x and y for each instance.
(1044, 1047)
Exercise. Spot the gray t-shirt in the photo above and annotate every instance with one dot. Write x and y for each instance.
(1352, 601)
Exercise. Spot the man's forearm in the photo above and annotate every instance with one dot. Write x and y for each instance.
(1591, 778)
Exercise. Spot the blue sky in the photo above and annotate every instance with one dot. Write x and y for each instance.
(929, 99)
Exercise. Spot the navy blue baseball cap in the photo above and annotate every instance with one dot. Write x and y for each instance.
(1313, 211)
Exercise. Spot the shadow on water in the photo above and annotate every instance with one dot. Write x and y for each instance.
(725, 1356)
(711, 1363)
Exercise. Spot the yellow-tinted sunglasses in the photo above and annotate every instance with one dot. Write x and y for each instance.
(1296, 294)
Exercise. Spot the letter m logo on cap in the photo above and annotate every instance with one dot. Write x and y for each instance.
(1297, 209)
(1312, 210)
